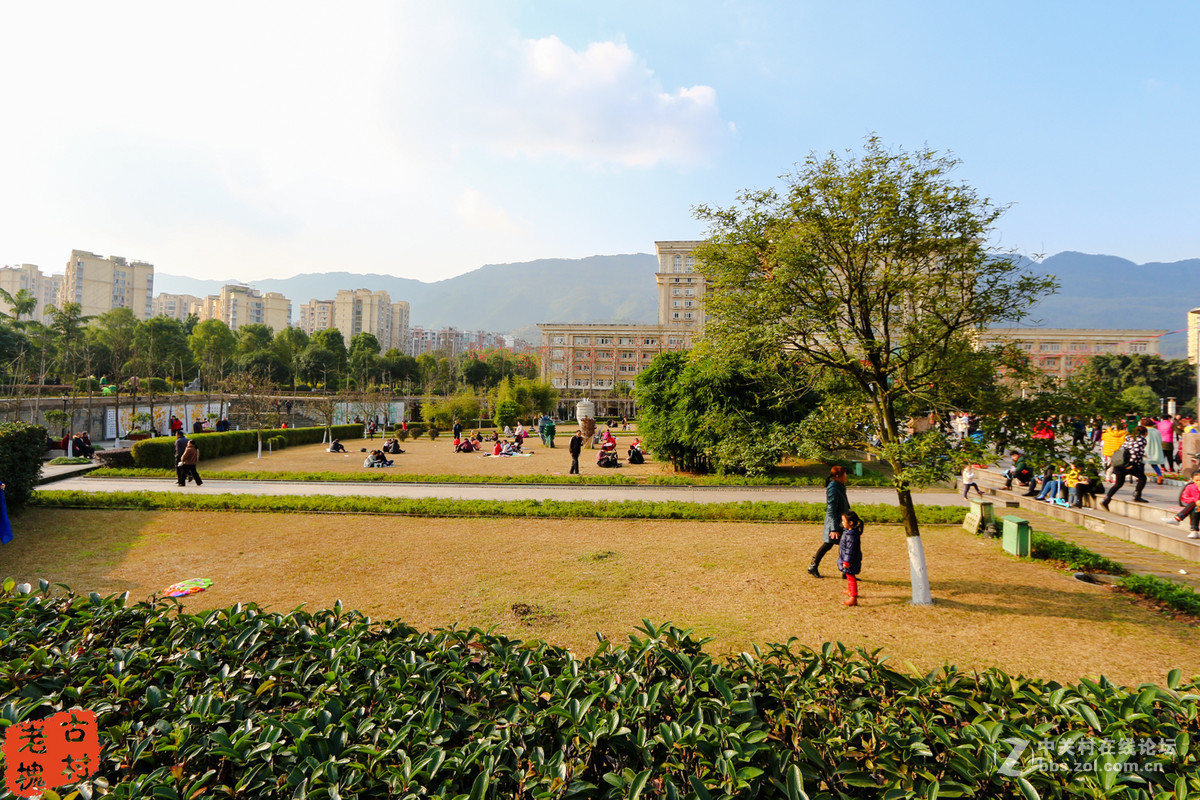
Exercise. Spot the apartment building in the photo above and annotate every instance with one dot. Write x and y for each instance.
(177, 306)
(599, 356)
(239, 305)
(1060, 351)
(45, 288)
(101, 284)
(316, 315)
(451, 341)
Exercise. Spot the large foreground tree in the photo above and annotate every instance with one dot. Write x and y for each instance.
(869, 272)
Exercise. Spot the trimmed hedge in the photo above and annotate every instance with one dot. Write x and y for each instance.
(21, 448)
(245, 702)
(159, 453)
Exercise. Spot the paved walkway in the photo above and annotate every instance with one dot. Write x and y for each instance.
(500, 492)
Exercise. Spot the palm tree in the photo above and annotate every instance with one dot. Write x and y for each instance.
(24, 302)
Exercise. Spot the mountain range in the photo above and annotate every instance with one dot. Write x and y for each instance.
(1096, 291)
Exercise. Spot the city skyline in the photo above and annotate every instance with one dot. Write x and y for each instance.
(425, 142)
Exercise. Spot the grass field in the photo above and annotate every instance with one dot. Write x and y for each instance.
(563, 581)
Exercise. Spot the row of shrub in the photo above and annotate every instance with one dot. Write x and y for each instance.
(448, 507)
(1045, 547)
(242, 702)
(160, 451)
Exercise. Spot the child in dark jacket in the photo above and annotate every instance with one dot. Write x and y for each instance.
(850, 554)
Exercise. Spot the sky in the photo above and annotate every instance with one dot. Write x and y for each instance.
(254, 140)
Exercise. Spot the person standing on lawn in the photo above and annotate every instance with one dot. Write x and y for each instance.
(181, 443)
(1155, 448)
(1189, 498)
(457, 429)
(836, 504)
(1166, 431)
(575, 448)
(850, 555)
(191, 457)
(1132, 466)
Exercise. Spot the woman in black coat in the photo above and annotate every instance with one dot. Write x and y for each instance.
(836, 504)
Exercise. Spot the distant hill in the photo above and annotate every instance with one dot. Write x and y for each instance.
(1097, 291)
(508, 298)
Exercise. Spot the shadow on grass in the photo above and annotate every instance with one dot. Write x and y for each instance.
(1011, 600)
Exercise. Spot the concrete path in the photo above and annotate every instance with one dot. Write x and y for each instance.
(500, 492)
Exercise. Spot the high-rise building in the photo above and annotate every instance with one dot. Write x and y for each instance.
(681, 289)
(44, 288)
(364, 311)
(400, 336)
(1194, 336)
(177, 306)
(316, 315)
(100, 284)
(450, 341)
(239, 305)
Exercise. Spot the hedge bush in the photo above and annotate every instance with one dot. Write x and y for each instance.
(21, 448)
(160, 452)
(243, 702)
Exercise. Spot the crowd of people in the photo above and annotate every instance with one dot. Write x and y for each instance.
(1121, 452)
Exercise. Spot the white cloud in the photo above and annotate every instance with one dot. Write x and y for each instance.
(480, 214)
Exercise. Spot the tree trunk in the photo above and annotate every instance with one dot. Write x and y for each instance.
(918, 575)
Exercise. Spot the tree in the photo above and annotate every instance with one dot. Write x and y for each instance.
(253, 337)
(289, 344)
(23, 302)
(318, 365)
(872, 269)
(331, 339)
(114, 330)
(256, 397)
(161, 345)
(213, 346)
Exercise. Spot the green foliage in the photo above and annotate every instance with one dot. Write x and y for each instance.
(1140, 399)
(727, 415)
(21, 448)
(1112, 373)
(65, 460)
(537, 509)
(464, 406)
(433, 432)
(159, 453)
(277, 442)
(1174, 595)
(1072, 556)
(605, 479)
(335, 704)
(532, 398)
(400, 433)
(506, 413)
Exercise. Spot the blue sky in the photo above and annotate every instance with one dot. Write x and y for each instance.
(261, 140)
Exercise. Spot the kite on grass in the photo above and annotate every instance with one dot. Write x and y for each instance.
(184, 588)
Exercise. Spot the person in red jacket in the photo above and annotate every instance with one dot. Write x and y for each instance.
(1189, 498)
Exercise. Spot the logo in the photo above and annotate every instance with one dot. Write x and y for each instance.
(48, 753)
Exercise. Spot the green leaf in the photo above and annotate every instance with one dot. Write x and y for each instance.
(795, 784)
(1027, 790)
(638, 783)
(1173, 678)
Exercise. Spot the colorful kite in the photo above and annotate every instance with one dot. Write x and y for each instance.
(184, 588)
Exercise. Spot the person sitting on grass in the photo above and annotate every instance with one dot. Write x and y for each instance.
(392, 446)
(466, 446)
(336, 446)
(376, 459)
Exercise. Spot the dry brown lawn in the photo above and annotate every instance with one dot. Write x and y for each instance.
(563, 581)
(432, 457)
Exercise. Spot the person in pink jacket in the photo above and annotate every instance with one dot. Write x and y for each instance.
(1189, 498)
(1166, 429)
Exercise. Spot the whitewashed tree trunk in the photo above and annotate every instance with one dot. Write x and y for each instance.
(918, 575)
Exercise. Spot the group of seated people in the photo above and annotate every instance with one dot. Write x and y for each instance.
(376, 458)
(392, 446)
(73, 444)
(503, 447)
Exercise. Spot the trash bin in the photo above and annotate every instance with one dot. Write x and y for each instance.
(1016, 536)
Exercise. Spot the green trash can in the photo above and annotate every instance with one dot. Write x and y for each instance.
(1016, 536)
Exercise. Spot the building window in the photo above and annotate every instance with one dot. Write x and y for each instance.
(582, 340)
(650, 342)
(677, 292)
(560, 340)
(687, 315)
(1048, 347)
(1137, 347)
(604, 340)
(675, 315)
(677, 263)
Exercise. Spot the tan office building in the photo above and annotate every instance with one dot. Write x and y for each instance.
(1061, 351)
(45, 288)
(239, 305)
(177, 306)
(100, 284)
(587, 357)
